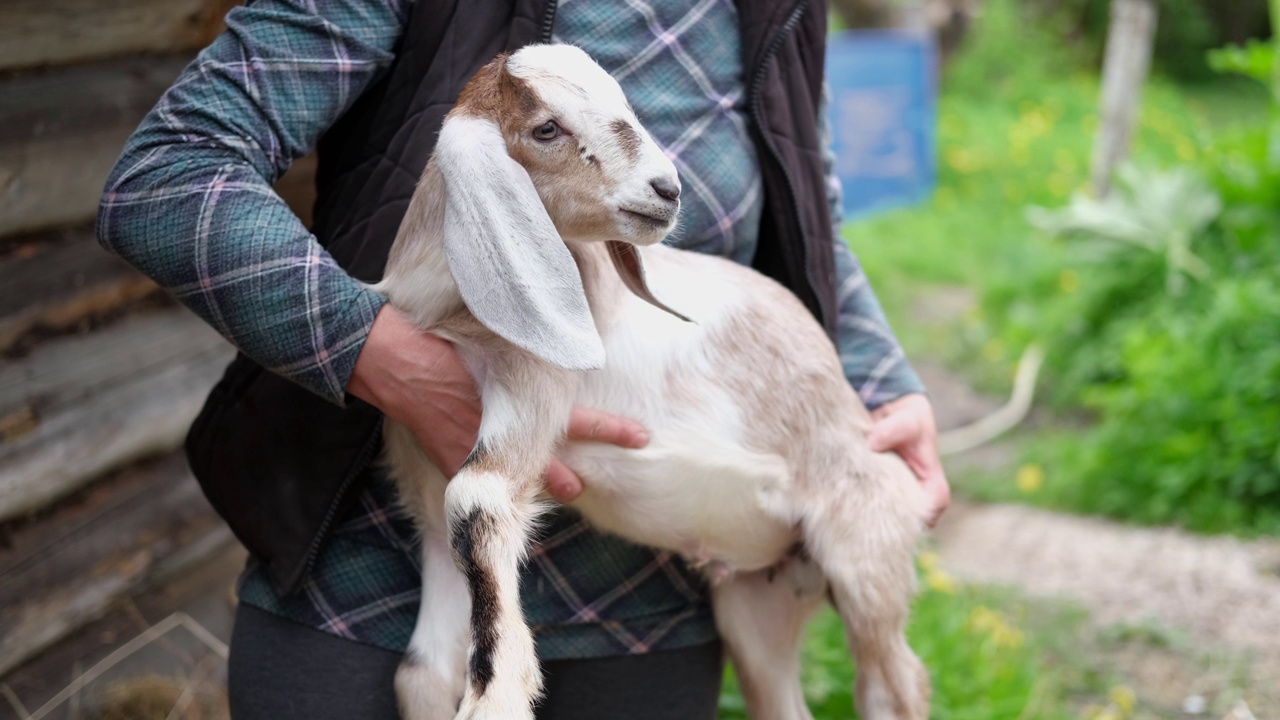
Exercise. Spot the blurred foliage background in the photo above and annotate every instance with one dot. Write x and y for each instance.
(1159, 308)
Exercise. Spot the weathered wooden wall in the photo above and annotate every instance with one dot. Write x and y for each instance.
(100, 373)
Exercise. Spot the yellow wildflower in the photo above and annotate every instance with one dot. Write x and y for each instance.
(964, 161)
(1069, 281)
(1123, 698)
(1030, 478)
(941, 581)
(928, 560)
(995, 626)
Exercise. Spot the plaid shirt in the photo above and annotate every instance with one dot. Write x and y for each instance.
(190, 204)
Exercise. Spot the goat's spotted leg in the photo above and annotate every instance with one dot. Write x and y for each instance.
(761, 618)
(491, 506)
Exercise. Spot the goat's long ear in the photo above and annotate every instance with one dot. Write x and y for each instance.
(627, 261)
(511, 266)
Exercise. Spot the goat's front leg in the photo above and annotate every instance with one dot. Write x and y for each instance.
(492, 504)
(761, 617)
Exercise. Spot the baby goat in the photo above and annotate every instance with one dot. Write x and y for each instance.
(523, 246)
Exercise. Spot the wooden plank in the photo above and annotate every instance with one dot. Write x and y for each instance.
(1130, 39)
(85, 405)
(203, 592)
(55, 282)
(68, 568)
(61, 133)
(71, 101)
(47, 32)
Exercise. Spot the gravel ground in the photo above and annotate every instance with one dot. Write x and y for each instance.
(1219, 596)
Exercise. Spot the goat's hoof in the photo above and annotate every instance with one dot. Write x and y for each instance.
(426, 692)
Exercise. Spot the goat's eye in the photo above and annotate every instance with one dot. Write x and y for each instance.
(547, 131)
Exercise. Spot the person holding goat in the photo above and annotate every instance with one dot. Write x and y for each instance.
(284, 447)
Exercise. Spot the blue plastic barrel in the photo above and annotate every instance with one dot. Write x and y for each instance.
(883, 118)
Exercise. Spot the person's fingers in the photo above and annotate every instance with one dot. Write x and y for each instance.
(938, 490)
(892, 431)
(563, 484)
(595, 425)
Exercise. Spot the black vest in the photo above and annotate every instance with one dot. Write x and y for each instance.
(279, 463)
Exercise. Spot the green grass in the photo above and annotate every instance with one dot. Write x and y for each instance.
(990, 654)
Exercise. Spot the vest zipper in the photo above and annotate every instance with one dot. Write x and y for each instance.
(549, 21)
(367, 452)
(757, 111)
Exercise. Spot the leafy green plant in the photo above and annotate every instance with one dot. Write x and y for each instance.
(1254, 59)
(1173, 344)
(1160, 212)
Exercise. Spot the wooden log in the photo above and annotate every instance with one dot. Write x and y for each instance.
(47, 32)
(85, 405)
(67, 568)
(1130, 40)
(61, 133)
(55, 282)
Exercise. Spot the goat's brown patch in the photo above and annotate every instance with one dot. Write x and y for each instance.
(628, 139)
(494, 92)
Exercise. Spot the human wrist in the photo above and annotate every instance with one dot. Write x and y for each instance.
(394, 344)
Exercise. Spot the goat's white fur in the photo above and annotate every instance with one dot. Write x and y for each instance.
(757, 442)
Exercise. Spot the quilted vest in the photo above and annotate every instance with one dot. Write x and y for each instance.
(279, 463)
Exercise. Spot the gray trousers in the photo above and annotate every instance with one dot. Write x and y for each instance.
(280, 670)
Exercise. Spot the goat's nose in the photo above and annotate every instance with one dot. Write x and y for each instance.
(666, 189)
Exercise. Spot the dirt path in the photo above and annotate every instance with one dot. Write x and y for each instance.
(1219, 589)
(1221, 594)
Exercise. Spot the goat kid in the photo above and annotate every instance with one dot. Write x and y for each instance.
(526, 244)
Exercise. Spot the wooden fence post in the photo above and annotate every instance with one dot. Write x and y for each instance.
(1129, 44)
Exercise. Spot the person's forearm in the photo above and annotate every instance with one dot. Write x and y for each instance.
(872, 357)
(190, 201)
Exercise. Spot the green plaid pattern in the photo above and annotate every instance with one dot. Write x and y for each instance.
(190, 204)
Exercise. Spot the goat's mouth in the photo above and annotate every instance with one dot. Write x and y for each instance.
(652, 221)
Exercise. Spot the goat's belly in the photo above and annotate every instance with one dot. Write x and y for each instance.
(715, 507)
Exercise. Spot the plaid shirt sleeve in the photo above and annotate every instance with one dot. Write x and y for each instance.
(874, 362)
(190, 202)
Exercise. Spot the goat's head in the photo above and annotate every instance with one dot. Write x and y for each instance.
(566, 122)
(543, 150)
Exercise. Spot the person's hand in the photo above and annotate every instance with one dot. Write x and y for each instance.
(417, 379)
(906, 427)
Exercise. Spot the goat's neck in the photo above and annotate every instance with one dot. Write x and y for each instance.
(604, 289)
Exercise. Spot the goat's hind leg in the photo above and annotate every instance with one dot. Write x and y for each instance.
(492, 505)
(864, 538)
(761, 617)
(430, 679)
